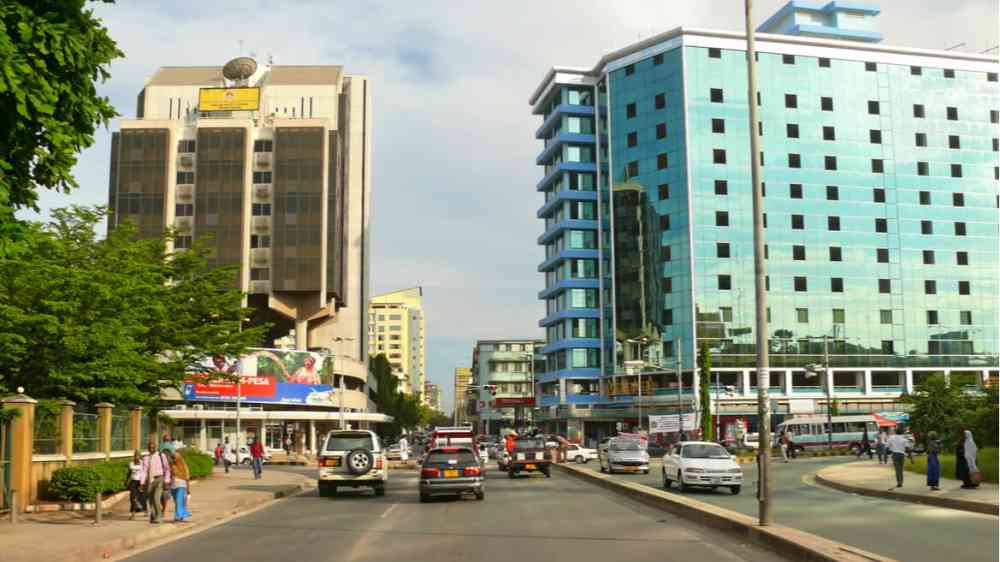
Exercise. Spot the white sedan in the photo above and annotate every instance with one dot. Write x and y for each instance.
(580, 454)
(702, 464)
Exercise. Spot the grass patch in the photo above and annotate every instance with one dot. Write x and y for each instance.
(987, 460)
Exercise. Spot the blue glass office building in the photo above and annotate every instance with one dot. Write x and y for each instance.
(880, 172)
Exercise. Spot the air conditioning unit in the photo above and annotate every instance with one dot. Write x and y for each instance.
(262, 225)
(185, 162)
(262, 191)
(260, 257)
(184, 224)
(262, 160)
(185, 193)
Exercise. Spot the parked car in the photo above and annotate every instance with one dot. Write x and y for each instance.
(451, 471)
(529, 455)
(580, 454)
(703, 464)
(623, 455)
(351, 458)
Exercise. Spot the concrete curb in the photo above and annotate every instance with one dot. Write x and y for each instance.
(936, 501)
(155, 536)
(786, 541)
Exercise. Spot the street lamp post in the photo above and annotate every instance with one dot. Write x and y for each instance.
(825, 369)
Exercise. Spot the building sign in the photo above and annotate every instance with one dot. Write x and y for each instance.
(507, 402)
(266, 376)
(669, 424)
(228, 99)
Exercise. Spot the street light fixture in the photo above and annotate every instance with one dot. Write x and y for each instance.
(813, 370)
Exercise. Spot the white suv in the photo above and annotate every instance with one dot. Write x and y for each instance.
(352, 458)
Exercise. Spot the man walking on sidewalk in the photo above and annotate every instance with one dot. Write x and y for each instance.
(257, 454)
(897, 448)
(156, 476)
(228, 455)
(880, 443)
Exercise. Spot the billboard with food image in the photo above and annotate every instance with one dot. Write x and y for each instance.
(266, 376)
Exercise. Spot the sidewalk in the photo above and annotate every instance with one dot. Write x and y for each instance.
(72, 537)
(870, 478)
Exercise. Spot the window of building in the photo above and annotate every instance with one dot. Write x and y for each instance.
(836, 253)
(873, 108)
(633, 169)
(830, 162)
(884, 286)
(920, 139)
(661, 130)
(994, 116)
(918, 110)
(630, 70)
(722, 250)
(926, 227)
(792, 130)
(261, 209)
(991, 76)
(932, 317)
(824, 62)
(260, 241)
(802, 315)
(658, 59)
(718, 156)
(826, 103)
(925, 197)
(875, 136)
(930, 287)
(714, 53)
(260, 274)
(996, 145)
(798, 222)
(665, 253)
(664, 222)
(722, 218)
(184, 178)
(870, 67)
(788, 59)
(829, 134)
(184, 210)
(962, 258)
(881, 225)
(630, 110)
(794, 161)
(663, 191)
(795, 190)
(715, 95)
(833, 223)
(186, 145)
(721, 187)
(923, 168)
(632, 139)
(965, 317)
(183, 242)
(718, 125)
(959, 228)
(954, 141)
(885, 316)
(263, 146)
(877, 166)
(949, 73)
(928, 257)
(800, 284)
(951, 113)
(798, 252)
(964, 287)
(661, 161)
(791, 101)
(832, 193)
(888, 348)
(660, 101)
(725, 282)
(837, 284)
(667, 285)
(916, 70)
(882, 255)
(262, 177)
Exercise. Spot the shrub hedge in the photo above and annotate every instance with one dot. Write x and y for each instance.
(83, 482)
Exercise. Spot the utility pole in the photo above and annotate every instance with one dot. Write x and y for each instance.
(680, 386)
(759, 267)
(829, 401)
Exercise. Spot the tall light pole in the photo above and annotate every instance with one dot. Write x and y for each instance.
(825, 369)
(759, 268)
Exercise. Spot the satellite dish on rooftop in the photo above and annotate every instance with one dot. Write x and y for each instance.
(240, 68)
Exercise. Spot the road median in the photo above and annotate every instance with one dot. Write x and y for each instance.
(789, 542)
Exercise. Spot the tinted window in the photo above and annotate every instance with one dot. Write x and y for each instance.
(349, 442)
(463, 456)
(625, 446)
(704, 451)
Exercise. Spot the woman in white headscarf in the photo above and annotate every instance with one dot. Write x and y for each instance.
(965, 460)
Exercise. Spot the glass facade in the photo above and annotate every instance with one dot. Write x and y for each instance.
(219, 192)
(141, 157)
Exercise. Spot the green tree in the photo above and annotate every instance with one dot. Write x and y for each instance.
(386, 382)
(985, 418)
(937, 406)
(51, 54)
(112, 319)
(704, 392)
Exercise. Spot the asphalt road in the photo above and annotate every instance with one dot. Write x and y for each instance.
(903, 531)
(532, 518)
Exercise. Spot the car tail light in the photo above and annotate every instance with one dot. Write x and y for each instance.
(378, 463)
(327, 462)
(430, 473)
(472, 471)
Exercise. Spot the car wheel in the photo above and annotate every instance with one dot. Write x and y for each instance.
(548, 473)
(602, 467)
(856, 450)
(735, 489)
(480, 495)
(680, 481)
(579, 459)
(359, 461)
(666, 481)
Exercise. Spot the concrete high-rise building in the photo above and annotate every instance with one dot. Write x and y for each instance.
(510, 366)
(881, 192)
(432, 396)
(396, 328)
(271, 165)
(463, 378)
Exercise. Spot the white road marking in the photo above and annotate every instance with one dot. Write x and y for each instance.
(388, 511)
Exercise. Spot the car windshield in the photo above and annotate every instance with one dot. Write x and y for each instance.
(625, 446)
(529, 444)
(446, 457)
(349, 442)
(704, 451)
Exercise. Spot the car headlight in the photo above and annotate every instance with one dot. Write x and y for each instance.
(694, 470)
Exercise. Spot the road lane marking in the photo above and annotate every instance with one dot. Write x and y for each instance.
(388, 511)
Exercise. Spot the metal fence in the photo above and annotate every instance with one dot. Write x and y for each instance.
(48, 433)
(121, 431)
(86, 437)
(5, 453)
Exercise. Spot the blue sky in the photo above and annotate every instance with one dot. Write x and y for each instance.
(454, 174)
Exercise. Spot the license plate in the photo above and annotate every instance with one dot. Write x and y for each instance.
(531, 466)
(631, 469)
(716, 481)
(451, 474)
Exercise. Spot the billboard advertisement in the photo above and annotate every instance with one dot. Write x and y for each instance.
(267, 376)
(228, 99)
(670, 423)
